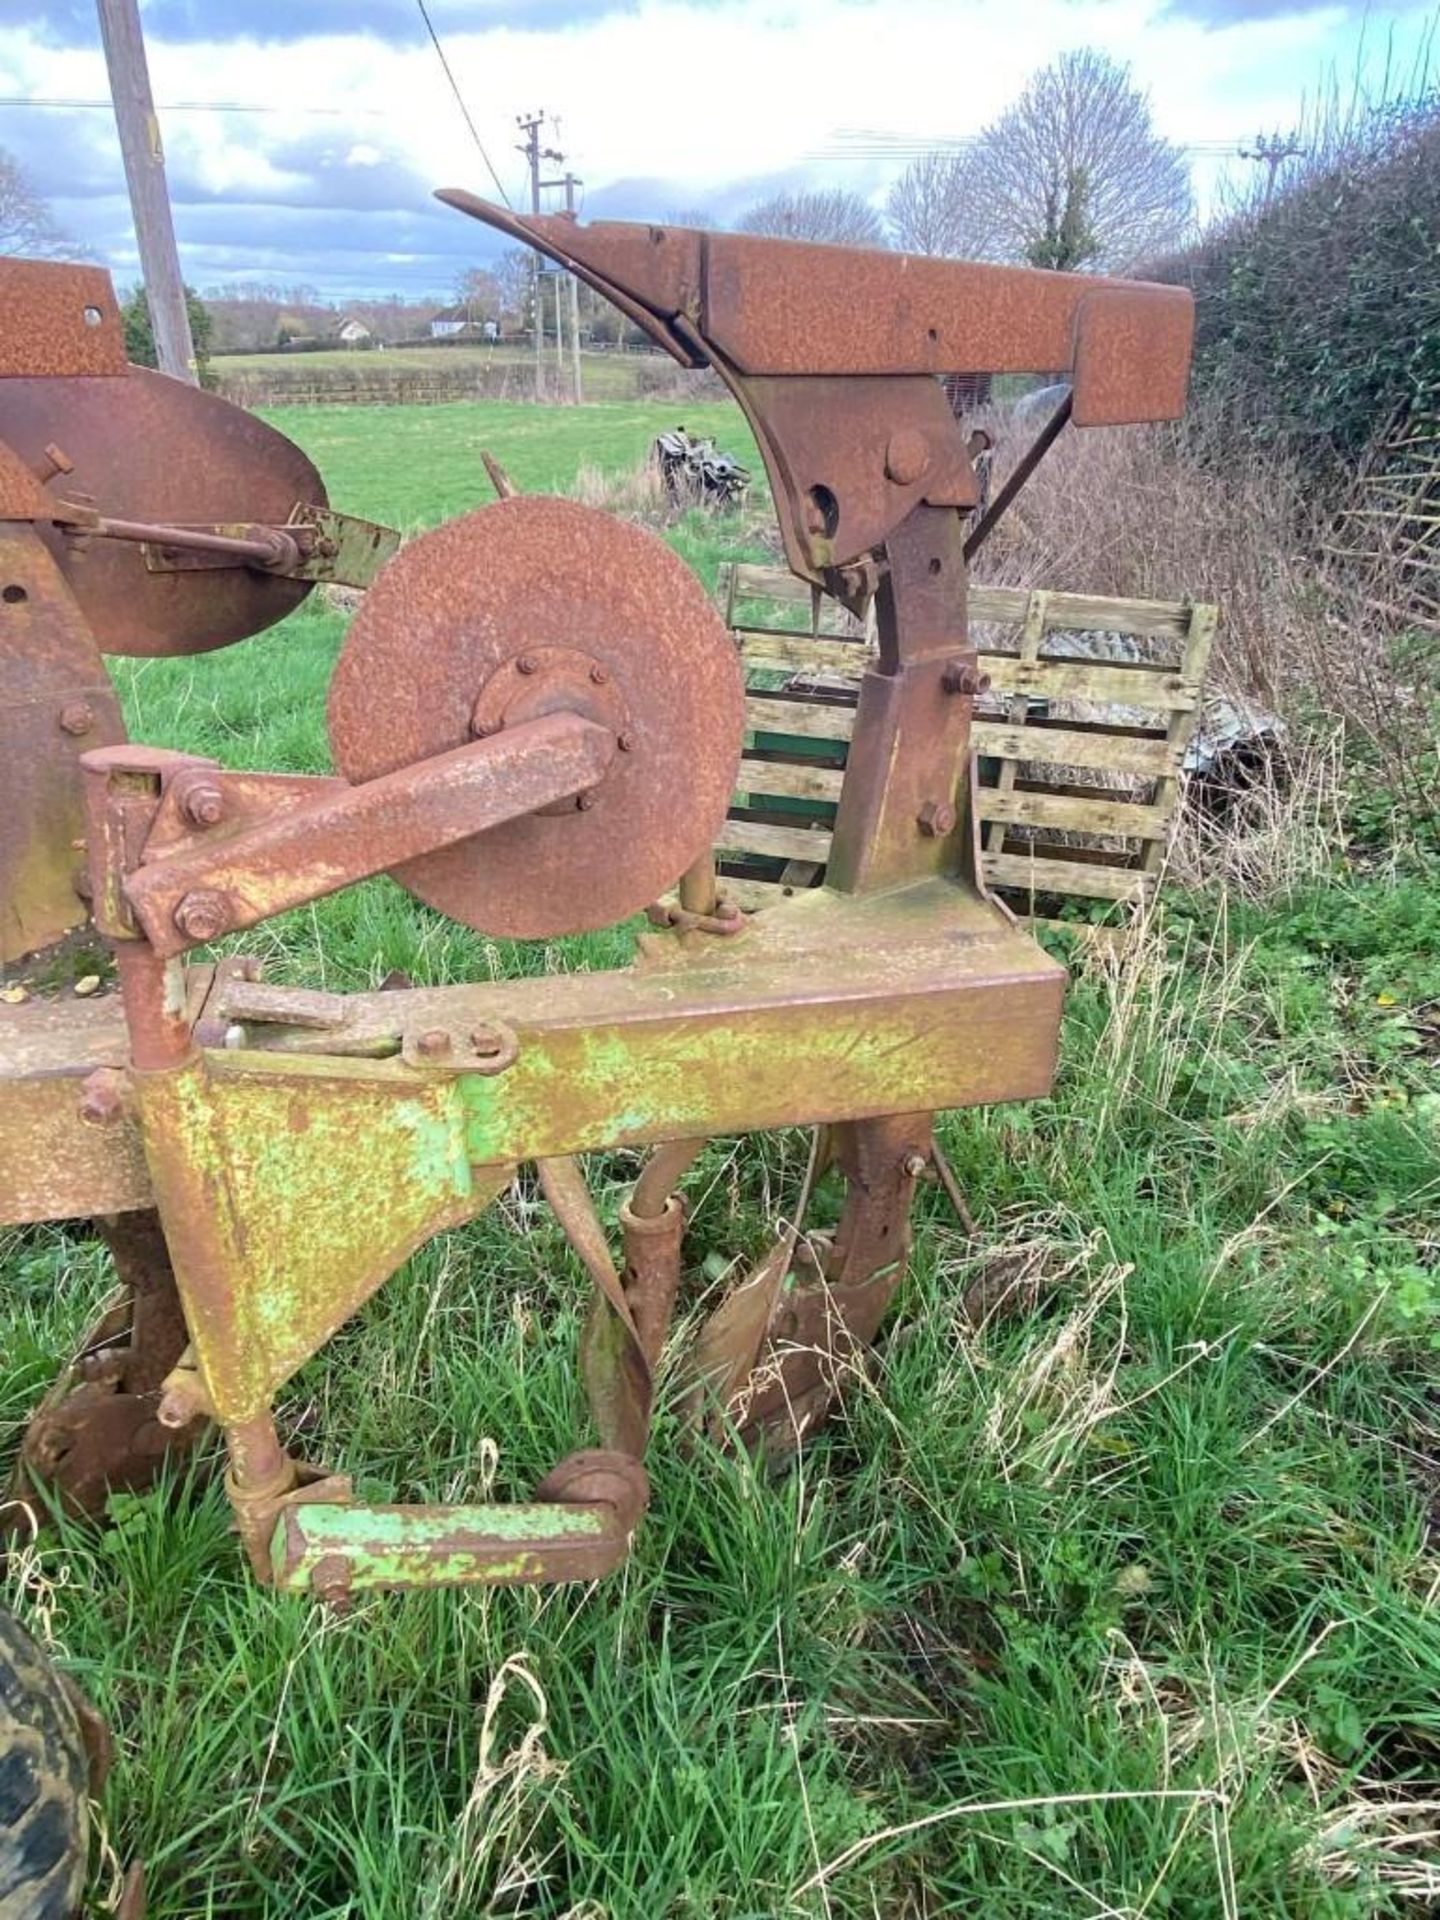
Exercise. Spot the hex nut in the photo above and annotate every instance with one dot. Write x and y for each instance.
(203, 804)
(963, 676)
(433, 1044)
(77, 717)
(203, 914)
(935, 818)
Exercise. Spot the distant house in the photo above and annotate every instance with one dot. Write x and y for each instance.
(460, 323)
(352, 332)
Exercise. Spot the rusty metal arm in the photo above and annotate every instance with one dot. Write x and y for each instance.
(834, 355)
(220, 883)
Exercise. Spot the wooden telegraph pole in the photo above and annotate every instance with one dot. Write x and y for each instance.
(570, 185)
(145, 176)
(531, 149)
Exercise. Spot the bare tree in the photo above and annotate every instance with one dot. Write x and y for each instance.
(478, 290)
(695, 217)
(514, 273)
(833, 215)
(25, 222)
(938, 206)
(1076, 175)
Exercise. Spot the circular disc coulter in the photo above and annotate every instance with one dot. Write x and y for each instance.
(532, 606)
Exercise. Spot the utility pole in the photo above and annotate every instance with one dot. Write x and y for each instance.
(569, 182)
(1274, 150)
(570, 185)
(534, 153)
(531, 150)
(145, 176)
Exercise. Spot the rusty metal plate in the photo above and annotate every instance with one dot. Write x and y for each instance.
(459, 608)
(151, 448)
(758, 305)
(55, 702)
(1132, 357)
(57, 318)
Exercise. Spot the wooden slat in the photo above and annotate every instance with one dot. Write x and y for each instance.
(1102, 683)
(1037, 875)
(752, 895)
(1126, 817)
(770, 713)
(791, 843)
(1061, 747)
(1067, 612)
(768, 583)
(1085, 612)
(764, 646)
(787, 777)
(1031, 635)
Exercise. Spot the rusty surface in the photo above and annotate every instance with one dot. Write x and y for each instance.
(224, 881)
(835, 353)
(148, 448)
(53, 1166)
(453, 610)
(98, 1430)
(791, 307)
(577, 1527)
(56, 701)
(841, 1008)
(57, 319)
(613, 1361)
(839, 1291)
(537, 717)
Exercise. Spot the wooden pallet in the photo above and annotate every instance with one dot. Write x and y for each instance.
(1080, 747)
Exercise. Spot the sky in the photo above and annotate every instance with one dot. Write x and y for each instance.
(303, 138)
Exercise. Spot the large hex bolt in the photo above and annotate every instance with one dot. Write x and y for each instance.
(202, 803)
(77, 717)
(935, 818)
(203, 914)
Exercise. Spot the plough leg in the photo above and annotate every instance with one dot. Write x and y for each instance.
(97, 1431)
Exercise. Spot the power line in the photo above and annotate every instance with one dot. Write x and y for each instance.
(191, 106)
(460, 102)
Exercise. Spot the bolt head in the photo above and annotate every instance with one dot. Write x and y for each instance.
(486, 1041)
(584, 801)
(433, 1044)
(203, 804)
(626, 743)
(101, 1101)
(77, 718)
(527, 663)
(907, 455)
(913, 1165)
(935, 818)
(177, 1409)
(599, 675)
(203, 914)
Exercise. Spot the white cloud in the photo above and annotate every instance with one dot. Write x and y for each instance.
(693, 95)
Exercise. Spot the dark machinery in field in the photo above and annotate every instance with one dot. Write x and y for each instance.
(535, 721)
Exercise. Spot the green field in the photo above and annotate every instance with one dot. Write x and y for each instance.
(1123, 1603)
(606, 376)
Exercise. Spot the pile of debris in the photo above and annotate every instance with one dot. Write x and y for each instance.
(694, 472)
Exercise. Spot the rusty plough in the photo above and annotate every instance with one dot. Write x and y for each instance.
(536, 722)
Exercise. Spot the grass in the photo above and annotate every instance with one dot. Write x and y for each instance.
(607, 377)
(1124, 1603)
